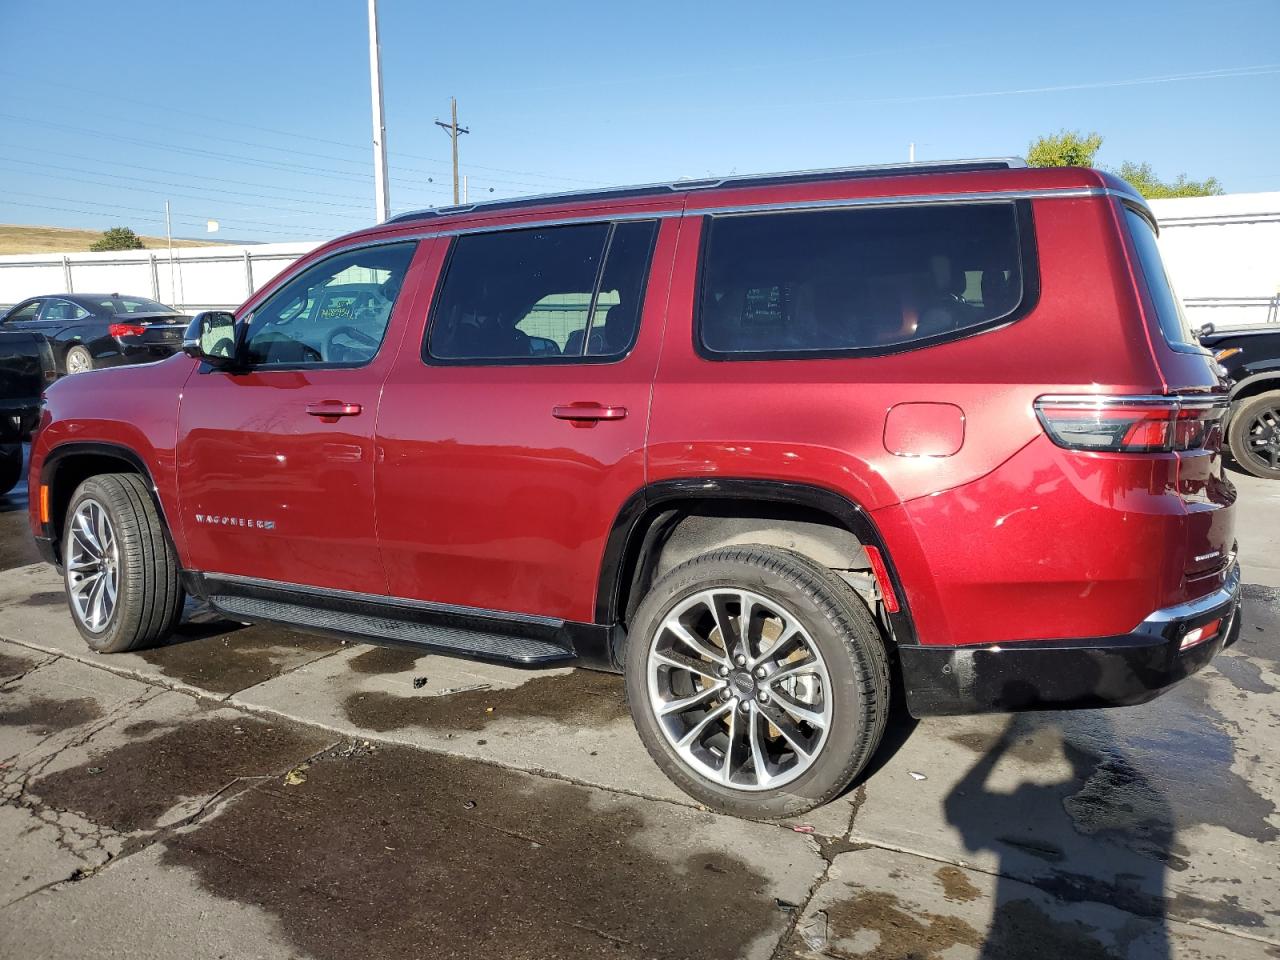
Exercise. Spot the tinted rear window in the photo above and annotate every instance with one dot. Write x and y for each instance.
(861, 281)
(1173, 322)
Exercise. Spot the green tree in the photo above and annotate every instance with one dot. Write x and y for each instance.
(1066, 148)
(1152, 187)
(117, 238)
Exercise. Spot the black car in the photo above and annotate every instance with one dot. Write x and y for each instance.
(1251, 358)
(26, 368)
(90, 330)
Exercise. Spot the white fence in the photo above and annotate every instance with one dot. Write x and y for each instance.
(199, 278)
(1222, 252)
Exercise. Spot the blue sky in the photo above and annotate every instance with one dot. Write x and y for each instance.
(257, 113)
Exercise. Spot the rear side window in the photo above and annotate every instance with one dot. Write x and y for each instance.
(545, 294)
(865, 281)
(1173, 321)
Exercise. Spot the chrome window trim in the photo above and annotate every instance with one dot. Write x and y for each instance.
(921, 199)
(402, 602)
(640, 190)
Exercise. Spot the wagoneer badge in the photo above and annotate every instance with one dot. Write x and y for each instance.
(236, 522)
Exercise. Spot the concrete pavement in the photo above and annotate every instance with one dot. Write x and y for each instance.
(254, 792)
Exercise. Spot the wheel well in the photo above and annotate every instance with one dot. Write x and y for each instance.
(1253, 387)
(73, 470)
(680, 531)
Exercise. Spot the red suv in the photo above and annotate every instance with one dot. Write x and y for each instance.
(758, 443)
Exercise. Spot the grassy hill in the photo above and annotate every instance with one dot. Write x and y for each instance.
(15, 238)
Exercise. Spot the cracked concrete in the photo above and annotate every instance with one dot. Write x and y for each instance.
(286, 796)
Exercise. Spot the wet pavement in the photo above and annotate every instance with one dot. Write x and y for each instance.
(284, 795)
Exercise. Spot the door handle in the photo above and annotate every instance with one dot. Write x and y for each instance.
(588, 411)
(333, 408)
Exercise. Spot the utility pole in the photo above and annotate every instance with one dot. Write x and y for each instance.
(168, 232)
(911, 153)
(381, 187)
(453, 130)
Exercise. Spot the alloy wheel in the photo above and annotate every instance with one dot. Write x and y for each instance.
(92, 566)
(77, 362)
(739, 689)
(1263, 437)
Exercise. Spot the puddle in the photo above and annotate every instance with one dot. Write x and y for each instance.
(225, 657)
(426, 855)
(46, 715)
(917, 935)
(131, 787)
(11, 666)
(956, 885)
(46, 598)
(582, 698)
(377, 660)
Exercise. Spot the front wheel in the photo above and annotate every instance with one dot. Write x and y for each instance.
(1254, 435)
(120, 568)
(758, 681)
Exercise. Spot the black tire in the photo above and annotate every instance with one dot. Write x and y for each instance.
(10, 466)
(83, 360)
(149, 594)
(1250, 421)
(845, 635)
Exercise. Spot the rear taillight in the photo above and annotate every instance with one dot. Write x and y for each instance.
(1133, 424)
(126, 329)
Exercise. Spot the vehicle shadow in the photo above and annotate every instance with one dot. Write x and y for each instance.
(1095, 831)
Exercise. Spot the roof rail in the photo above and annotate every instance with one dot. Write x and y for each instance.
(747, 180)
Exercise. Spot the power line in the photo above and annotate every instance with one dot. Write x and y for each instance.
(206, 200)
(187, 186)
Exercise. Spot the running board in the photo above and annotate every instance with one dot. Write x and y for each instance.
(456, 641)
(493, 636)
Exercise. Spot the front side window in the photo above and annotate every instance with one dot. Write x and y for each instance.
(334, 312)
(834, 282)
(539, 294)
(1168, 306)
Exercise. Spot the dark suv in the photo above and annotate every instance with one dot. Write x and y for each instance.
(755, 442)
(1251, 358)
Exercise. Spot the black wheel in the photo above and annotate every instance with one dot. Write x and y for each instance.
(758, 681)
(121, 571)
(10, 466)
(79, 359)
(1254, 435)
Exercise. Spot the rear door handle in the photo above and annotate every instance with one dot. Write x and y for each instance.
(333, 408)
(588, 411)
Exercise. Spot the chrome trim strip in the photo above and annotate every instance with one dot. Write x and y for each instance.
(1103, 400)
(425, 606)
(1226, 593)
(918, 199)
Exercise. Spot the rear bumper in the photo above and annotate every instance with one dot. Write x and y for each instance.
(1068, 674)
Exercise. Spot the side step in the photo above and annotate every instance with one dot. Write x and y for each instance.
(452, 640)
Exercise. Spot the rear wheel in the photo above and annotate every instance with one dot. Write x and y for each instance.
(79, 359)
(121, 571)
(758, 681)
(1254, 435)
(10, 466)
